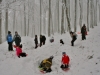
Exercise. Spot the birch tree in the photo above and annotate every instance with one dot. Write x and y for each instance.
(0, 24)
(81, 12)
(88, 15)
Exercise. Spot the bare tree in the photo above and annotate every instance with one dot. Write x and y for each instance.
(68, 9)
(49, 23)
(40, 16)
(95, 13)
(62, 20)
(91, 15)
(58, 15)
(24, 20)
(6, 19)
(99, 12)
(88, 15)
(75, 21)
(81, 13)
(0, 25)
(28, 19)
(68, 19)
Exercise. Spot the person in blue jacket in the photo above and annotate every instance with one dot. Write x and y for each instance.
(10, 41)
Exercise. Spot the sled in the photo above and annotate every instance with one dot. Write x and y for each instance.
(43, 72)
(66, 69)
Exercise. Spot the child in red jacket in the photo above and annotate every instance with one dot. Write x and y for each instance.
(19, 51)
(65, 61)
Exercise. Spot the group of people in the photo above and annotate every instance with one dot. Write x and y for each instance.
(11, 39)
(74, 35)
(42, 40)
(46, 64)
(17, 45)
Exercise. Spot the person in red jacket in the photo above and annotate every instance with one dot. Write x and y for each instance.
(65, 61)
(19, 51)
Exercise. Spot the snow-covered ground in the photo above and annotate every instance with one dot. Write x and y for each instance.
(84, 56)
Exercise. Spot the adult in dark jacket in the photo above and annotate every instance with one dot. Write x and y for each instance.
(74, 37)
(10, 41)
(83, 32)
(17, 39)
(46, 64)
(42, 40)
(36, 41)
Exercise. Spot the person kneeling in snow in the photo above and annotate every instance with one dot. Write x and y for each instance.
(19, 51)
(46, 64)
(65, 61)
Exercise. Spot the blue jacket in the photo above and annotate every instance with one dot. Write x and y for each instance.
(9, 38)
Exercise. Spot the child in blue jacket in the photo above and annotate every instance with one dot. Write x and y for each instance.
(10, 41)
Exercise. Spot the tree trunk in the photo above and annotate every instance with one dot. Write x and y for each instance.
(0, 25)
(62, 20)
(91, 15)
(96, 14)
(24, 20)
(6, 21)
(58, 16)
(75, 21)
(81, 13)
(68, 19)
(99, 12)
(88, 15)
(28, 19)
(40, 17)
(49, 18)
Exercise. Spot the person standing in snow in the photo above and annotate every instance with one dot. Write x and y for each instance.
(46, 64)
(17, 39)
(74, 37)
(10, 41)
(42, 40)
(83, 32)
(65, 61)
(36, 41)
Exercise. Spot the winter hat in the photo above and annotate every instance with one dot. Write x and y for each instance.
(63, 53)
(9, 32)
(51, 57)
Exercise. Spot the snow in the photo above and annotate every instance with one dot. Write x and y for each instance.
(80, 55)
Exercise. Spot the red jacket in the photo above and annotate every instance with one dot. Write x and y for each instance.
(65, 59)
(18, 50)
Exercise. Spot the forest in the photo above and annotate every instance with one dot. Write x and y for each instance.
(35, 17)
